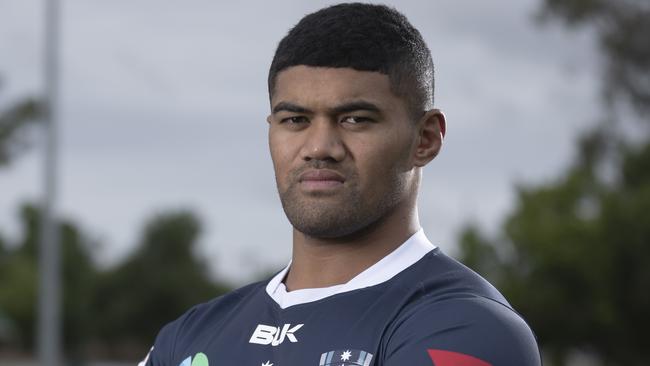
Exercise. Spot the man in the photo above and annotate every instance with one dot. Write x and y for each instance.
(352, 124)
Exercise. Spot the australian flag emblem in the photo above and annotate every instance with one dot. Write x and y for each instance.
(345, 357)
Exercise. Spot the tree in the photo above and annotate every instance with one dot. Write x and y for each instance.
(622, 28)
(573, 255)
(18, 272)
(116, 311)
(574, 261)
(14, 123)
(18, 289)
(160, 281)
(120, 308)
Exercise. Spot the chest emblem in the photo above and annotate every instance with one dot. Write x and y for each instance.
(346, 357)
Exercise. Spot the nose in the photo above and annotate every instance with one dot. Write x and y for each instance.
(323, 142)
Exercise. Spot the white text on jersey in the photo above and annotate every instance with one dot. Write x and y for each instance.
(266, 334)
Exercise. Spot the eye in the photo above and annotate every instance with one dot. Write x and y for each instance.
(294, 120)
(356, 119)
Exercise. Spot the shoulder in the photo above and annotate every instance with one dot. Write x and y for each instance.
(213, 311)
(437, 277)
(197, 320)
(454, 312)
(468, 325)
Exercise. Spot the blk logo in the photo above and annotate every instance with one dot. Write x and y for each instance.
(266, 334)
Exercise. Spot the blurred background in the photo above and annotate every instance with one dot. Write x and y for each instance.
(166, 192)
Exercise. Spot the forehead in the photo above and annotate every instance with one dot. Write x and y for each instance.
(327, 86)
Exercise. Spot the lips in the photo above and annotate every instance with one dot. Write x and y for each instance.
(321, 179)
(321, 175)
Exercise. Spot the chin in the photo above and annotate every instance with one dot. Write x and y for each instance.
(332, 225)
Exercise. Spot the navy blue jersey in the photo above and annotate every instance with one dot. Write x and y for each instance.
(416, 306)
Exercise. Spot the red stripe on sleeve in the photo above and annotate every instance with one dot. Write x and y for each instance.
(448, 358)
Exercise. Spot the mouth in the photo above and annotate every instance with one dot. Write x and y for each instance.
(320, 180)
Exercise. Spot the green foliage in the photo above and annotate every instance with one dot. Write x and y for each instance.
(573, 255)
(18, 297)
(19, 288)
(13, 126)
(160, 281)
(4, 253)
(118, 311)
(622, 27)
(577, 262)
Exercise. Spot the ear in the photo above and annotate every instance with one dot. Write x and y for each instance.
(431, 128)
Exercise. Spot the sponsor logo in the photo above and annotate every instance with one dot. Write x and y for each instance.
(346, 357)
(266, 334)
(448, 358)
(199, 359)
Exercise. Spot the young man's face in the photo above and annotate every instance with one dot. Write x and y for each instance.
(342, 146)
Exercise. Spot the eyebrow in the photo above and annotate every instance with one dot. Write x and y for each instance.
(360, 105)
(289, 107)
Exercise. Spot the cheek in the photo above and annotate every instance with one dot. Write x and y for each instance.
(379, 163)
(281, 154)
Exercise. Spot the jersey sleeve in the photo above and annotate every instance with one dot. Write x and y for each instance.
(160, 352)
(471, 331)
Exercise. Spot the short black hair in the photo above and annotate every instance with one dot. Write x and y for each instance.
(364, 37)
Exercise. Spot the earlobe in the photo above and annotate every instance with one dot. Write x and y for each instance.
(432, 129)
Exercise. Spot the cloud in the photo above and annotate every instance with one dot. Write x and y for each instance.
(163, 105)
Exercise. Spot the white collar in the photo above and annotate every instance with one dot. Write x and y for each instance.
(411, 251)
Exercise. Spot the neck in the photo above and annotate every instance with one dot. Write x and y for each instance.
(319, 262)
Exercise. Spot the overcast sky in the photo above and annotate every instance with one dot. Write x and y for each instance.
(163, 106)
